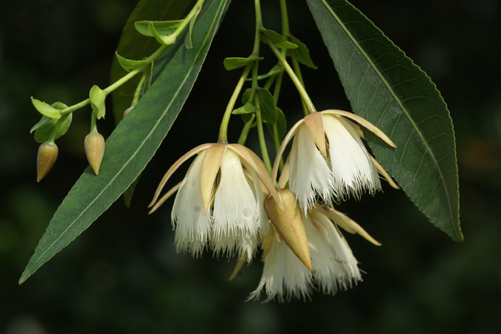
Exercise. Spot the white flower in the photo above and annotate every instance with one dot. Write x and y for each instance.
(219, 204)
(329, 159)
(333, 264)
(309, 173)
(193, 233)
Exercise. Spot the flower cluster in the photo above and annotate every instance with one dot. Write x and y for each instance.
(228, 199)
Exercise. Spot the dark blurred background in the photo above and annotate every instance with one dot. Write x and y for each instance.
(123, 275)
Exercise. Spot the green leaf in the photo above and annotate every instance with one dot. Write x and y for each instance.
(97, 97)
(246, 96)
(275, 70)
(59, 105)
(130, 191)
(277, 39)
(247, 108)
(281, 125)
(46, 109)
(267, 105)
(163, 28)
(389, 90)
(246, 118)
(43, 131)
(129, 64)
(133, 45)
(41, 122)
(302, 53)
(133, 143)
(232, 63)
(45, 126)
(162, 39)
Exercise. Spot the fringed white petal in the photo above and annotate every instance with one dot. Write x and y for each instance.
(322, 260)
(242, 244)
(284, 276)
(351, 165)
(261, 216)
(188, 220)
(352, 168)
(236, 212)
(309, 173)
(345, 264)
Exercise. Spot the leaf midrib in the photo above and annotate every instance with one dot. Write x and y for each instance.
(22, 279)
(348, 33)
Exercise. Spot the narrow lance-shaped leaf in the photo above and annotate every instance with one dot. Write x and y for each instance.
(133, 143)
(389, 90)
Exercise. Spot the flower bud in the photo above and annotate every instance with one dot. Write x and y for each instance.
(47, 155)
(127, 111)
(94, 149)
(286, 217)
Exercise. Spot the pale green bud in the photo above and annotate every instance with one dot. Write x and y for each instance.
(47, 155)
(94, 149)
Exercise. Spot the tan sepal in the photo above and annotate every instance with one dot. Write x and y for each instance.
(289, 223)
(284, 175)
(384, 173)
(174, 167)
(237, 268)
(268, 241)
(346, 223)
(315, 125)
(363, 122)
(165, 197)
(251, 160)
(357, 128)
(285, 141)
(210, 168)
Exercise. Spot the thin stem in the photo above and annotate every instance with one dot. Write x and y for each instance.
(277, 144)
(259, 26)
(269, 82)
(297, 70)
(223, 130)
(245, 131)
(262, 141)
(93, 126)
(276, 94)
(285, 18)
(138, 90)
(278, 86)
(293, 76)
(52, 136)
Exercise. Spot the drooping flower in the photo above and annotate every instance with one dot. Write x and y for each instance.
(329, 159)
(219, 204)
(333, 265)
